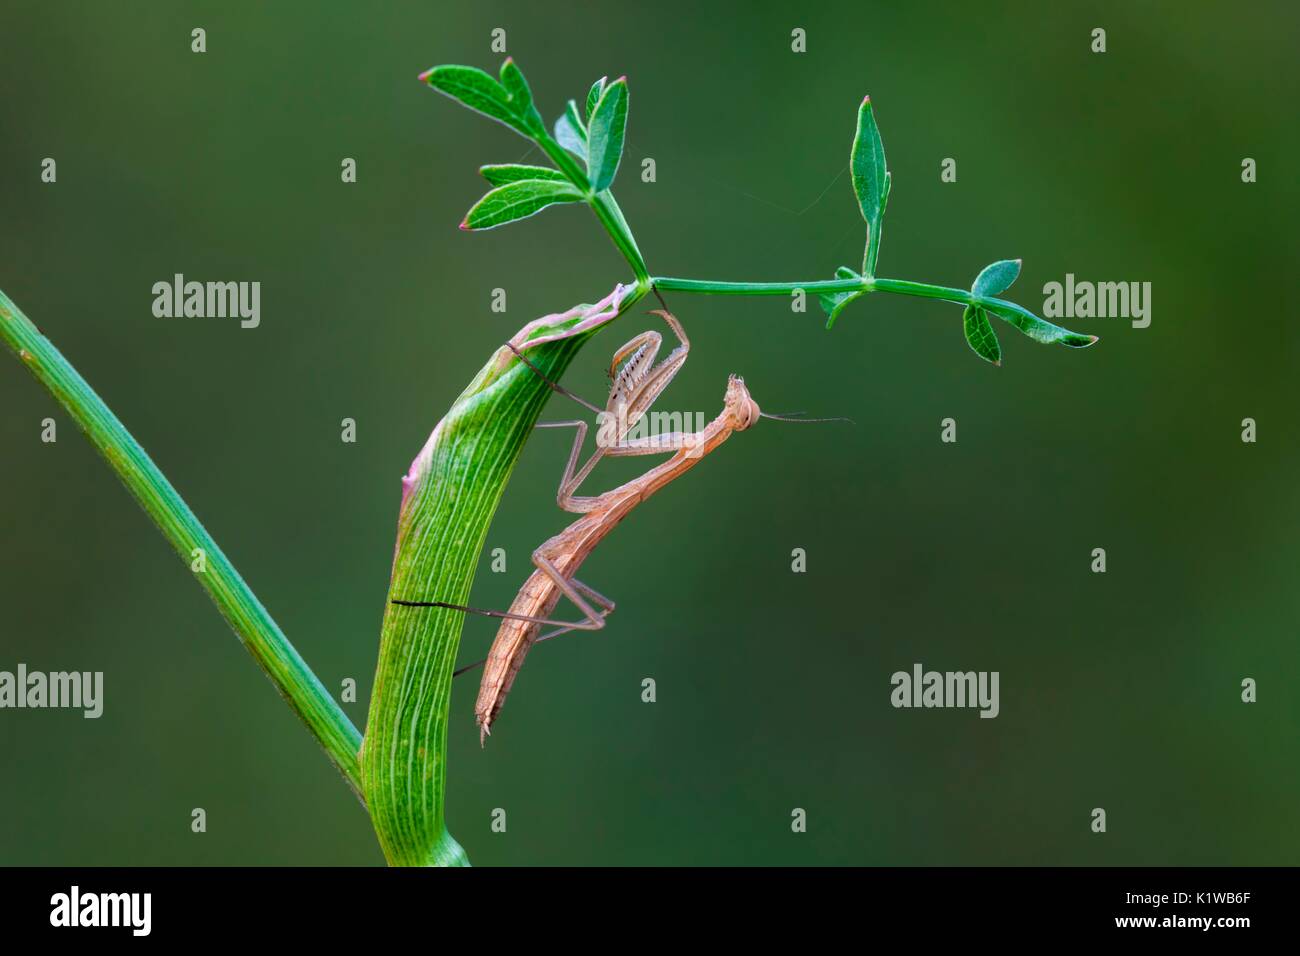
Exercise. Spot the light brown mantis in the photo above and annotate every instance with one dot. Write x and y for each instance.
(634, 388)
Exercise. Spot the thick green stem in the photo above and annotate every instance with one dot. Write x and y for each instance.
(238, 605)
(448, 499)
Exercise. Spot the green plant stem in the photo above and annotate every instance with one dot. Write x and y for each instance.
(611, 217)
(238, 605)
(895, 286)
(448, 502)
(710, 287)
(927, 291)
(602, 204)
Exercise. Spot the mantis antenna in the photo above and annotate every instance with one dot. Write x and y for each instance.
(796, 417)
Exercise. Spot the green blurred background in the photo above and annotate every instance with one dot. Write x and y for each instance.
(1119, 690)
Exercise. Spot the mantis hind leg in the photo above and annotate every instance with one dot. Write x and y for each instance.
(594, 620)
(575, 590)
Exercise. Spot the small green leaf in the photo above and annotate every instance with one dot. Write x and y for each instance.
(570, 133)
(521, 97)
(1040, 330)
(871, 181)
(513, 172)
(575, 118)
(518, 200)
(593, 95)
(568, 137)
(605, 134)
(475, 89)
(508, 101)
(980, 335)
(996, 278)
(833, 303)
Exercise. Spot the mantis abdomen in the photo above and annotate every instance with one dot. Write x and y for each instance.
(537, 598)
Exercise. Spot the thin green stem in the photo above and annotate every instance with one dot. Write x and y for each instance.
(925, 290)
(238, 605)
(611, 217)
(708, 287)
(602, 204)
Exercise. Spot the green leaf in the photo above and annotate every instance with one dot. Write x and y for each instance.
(516, 87)
(521, 97)
(871, 181)
(1038, 329)
(509, 101)
(472, 87)
(513, 172)
(593, 96)
(980, 335)
(605, 134)
(570, 133)
(996, 278)
(833, 303)
(518, 200)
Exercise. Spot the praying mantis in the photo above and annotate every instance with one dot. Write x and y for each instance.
(634, 387)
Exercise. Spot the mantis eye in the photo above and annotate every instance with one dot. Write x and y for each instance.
(746, 411)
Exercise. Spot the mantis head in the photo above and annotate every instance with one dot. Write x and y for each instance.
(744, 411)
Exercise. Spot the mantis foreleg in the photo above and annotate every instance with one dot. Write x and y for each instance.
(635, 388)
